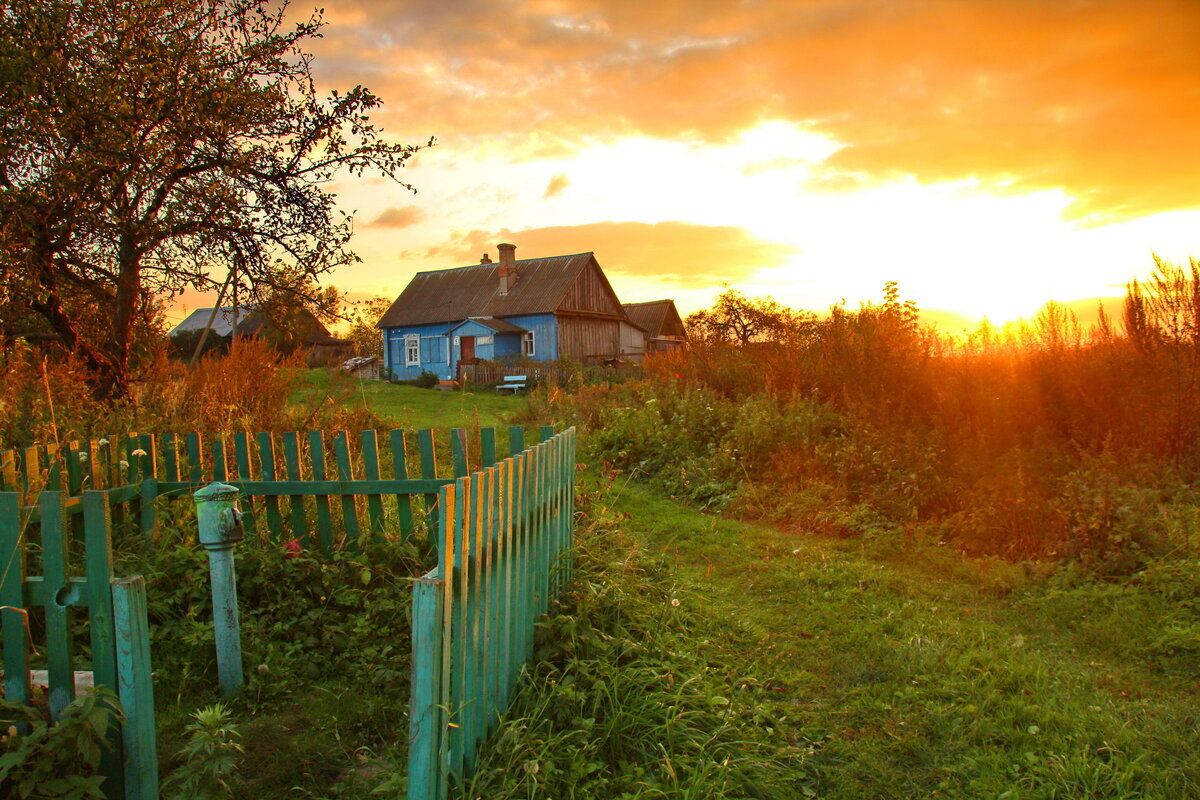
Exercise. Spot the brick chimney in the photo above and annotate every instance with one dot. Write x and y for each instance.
(508, 267)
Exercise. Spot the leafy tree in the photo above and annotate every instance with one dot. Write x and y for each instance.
(737, 319)
(156, 145)
(368, 341)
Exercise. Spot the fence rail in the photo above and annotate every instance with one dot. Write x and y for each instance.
(505, 537)
(347, 482)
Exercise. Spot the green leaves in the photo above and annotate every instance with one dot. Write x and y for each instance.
(46, 761)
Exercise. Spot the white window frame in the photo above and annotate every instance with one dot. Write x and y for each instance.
(412, 350)
(528, 345)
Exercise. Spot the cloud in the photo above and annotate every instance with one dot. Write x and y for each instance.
(681, 252)
(1097, 98)
(394, 217)
(557, 185)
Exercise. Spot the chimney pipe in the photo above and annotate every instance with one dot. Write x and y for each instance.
(485, 259)
(508, 267)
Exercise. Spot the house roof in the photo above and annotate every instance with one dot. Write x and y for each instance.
(650, 316)
(222, 325)
(450, 295)
(498, 325)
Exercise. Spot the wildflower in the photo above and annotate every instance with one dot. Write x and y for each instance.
(675, 601)
(293, 548)
(82, 455)
(103, 441)
(124, 464)
(138, 452)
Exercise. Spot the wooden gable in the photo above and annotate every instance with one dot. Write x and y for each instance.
(591, 294)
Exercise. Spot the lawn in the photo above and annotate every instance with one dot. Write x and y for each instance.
(408, 406)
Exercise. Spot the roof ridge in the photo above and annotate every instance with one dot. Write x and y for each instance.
(492, 264)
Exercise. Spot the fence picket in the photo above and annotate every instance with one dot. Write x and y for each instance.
(195, 463)
(403, 501)
(458, 452)
(241, 460)
(341, 451)
(487, 447)
(98, 569)
(55, 550)
(291, 464)
(370, 458)
(135, 687)
(218, 460)
(15, 626)
(316, 452)
(170, 457)
(147, 483)
(425, 446)
(266, 471)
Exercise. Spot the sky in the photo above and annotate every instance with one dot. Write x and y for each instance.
(988, 155)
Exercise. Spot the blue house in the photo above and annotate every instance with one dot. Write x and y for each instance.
(540, 309)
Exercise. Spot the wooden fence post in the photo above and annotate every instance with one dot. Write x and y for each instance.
(135, 687)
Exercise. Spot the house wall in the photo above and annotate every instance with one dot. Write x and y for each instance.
(436, 340)
(581, 337)
(545, 335)
(433, 351)
(633, 340)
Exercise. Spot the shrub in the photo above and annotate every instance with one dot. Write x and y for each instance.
(426, 380)
(60, 760)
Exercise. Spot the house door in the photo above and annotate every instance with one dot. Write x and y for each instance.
(468, 348)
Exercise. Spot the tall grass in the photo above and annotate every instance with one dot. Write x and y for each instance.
(1040, 439)
(49, 398)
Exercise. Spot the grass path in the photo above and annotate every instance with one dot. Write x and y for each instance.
(912, 672)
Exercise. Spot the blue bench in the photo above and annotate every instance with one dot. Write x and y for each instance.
(513, 383)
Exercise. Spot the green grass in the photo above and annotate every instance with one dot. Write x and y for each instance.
(407, 406)
(910, 671)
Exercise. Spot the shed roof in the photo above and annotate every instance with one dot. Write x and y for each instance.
(450, 295)
(650, 316)
(222, 325)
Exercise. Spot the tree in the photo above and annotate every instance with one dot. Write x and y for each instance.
(737, 319)
(156, 145)
(368, 340)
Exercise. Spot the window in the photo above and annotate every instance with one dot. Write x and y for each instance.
(527, 349)
(483, 340)
(412, 350)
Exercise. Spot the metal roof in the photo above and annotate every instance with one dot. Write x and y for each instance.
(649, 316)
(450, 295)
(498, 325)
(222, 325)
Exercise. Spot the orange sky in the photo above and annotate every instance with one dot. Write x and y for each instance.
(987, 154)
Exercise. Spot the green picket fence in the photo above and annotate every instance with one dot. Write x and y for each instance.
(118, 627)
(350, 484)
(500, 527)
(505, 533)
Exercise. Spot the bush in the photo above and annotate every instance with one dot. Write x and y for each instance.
(60, 760)
(426, 380)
